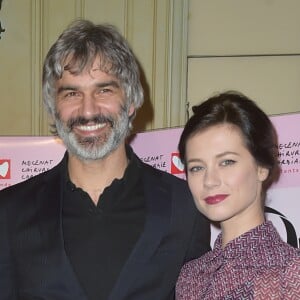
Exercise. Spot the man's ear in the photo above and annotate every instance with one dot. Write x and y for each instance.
(131, 110)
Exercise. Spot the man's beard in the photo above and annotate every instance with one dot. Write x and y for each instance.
(94, 147)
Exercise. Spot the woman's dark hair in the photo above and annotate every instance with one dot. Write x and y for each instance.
(257, 130)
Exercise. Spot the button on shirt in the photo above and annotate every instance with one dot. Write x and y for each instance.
(99, 238)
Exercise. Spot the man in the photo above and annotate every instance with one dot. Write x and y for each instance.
(101, 224)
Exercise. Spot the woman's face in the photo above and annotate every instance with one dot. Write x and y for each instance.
(223, 176)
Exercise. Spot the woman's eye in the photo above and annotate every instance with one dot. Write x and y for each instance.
(228, 162)
(194, 169)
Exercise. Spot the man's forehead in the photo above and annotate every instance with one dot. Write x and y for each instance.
(94, 70)
(87, 63)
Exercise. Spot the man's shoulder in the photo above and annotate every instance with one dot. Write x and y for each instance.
(29, 186)
(163, 175)
(158, 180)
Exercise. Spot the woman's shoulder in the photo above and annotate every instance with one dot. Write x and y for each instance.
(293, 263)
(273, 249)
(193, 277)
(199, 265)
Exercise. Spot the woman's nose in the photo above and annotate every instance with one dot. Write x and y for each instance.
(211, 178)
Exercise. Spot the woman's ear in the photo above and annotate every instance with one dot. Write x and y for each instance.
(262, 173)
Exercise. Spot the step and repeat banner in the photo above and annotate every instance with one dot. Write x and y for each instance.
(24, 157)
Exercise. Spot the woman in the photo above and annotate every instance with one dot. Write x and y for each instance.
(229, 149)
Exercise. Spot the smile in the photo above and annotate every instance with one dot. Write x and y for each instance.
(91, 127)
(215, 199)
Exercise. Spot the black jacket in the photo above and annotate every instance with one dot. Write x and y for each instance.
(33, 262)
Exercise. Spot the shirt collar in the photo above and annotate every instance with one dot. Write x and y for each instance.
(248, 249)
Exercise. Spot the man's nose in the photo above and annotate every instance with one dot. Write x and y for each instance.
(89, 106)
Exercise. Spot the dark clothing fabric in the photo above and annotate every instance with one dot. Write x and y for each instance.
(35, 265)
(256, 265)
(99, 239)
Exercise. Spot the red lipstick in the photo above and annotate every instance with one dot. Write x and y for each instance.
(215, 199)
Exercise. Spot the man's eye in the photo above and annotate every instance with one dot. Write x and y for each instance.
(104, 91)
(71, 94)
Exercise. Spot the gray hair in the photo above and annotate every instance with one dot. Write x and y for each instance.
(77, 48)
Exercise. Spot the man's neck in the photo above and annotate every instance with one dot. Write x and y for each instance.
(93, 176)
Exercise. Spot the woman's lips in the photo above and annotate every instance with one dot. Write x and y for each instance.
(215, 199)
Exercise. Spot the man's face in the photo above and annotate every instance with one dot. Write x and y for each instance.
(91, 116)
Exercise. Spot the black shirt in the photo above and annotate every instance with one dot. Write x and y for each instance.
(99, 239)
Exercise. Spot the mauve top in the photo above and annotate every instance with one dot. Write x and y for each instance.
(256, 265)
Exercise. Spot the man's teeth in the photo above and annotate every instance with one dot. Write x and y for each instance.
(91, 127)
